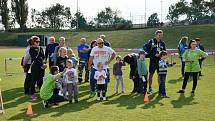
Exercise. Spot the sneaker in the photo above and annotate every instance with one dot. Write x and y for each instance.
(70, 101)
(76, 101)
(92, 94)
(98, 98)
(45, 104)
(34, 97)
(192, 93)
(55, 103)
(123, 91)
(104, 98)
(86, 80)
(165, 96)
(80, 80)
(180, 91)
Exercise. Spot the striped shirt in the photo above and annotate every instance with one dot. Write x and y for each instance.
(163, 66)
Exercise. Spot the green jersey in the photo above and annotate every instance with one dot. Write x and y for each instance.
(47, 88)
(191, 58)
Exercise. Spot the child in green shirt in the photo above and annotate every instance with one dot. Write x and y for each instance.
(46, 91)
(192, 66)
(142, 72)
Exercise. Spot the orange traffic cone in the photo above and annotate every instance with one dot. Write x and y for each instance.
(146, 98)
(29, 110)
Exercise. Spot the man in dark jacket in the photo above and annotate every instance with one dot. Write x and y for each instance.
(201, 47)
(153, 48)
(50, 48)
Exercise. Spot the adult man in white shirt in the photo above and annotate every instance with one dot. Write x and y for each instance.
(104, 55)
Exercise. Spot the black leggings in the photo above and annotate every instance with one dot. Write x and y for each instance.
(186, 77)
(37, 77)
(56, 99)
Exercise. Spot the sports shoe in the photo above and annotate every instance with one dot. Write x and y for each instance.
(98, 98)
(92, 94)
(80, 80)
(76, 101)
(181, 91)
(165, 96)
(33, 97)
(45, 104)
(70, 101)
(104, 98)
(192, 93)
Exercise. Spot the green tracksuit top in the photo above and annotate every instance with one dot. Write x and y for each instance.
(47, 88)
(191, 58)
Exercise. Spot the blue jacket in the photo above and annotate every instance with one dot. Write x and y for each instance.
(50, 48)
(182, 47)
(82, 54)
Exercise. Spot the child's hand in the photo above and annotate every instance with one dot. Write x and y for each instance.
(44, 66)
(100, 77)
(157, 55)
(64, 71)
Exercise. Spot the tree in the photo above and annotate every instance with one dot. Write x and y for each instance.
(153, 20)
(198, 10)
(82, 23)
(54, 15)
(110, 18)
(177, 10)
(105, 17)
(20, 8)
(173, 15)
(68, 18)
(4, 12)
(211, 7)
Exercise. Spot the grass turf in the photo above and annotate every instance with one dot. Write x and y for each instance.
(128, 38)
(129, 107)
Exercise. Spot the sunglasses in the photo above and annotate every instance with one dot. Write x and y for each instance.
(37, 41)
(100, 43)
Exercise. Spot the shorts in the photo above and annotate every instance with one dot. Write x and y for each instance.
(100, 87)
(153, 66)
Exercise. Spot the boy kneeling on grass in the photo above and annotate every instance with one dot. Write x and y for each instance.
(46, 91)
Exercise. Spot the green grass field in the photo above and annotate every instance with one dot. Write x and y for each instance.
(122, 107)
(128, 38)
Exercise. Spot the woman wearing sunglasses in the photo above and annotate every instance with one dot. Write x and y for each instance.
(37, 65)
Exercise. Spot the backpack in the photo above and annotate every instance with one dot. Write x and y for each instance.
(147, 44)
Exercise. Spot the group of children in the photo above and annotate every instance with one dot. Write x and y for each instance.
(139, 72)
(62, 79)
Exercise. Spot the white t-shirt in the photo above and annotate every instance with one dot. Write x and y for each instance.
(70, 76)
(101, 55)
(98, 76)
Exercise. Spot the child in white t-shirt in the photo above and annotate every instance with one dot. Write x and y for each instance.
(100, 76)
(70, 82)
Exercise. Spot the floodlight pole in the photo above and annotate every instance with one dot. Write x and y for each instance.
(77, 16)
(145, 15)
(161, 10)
